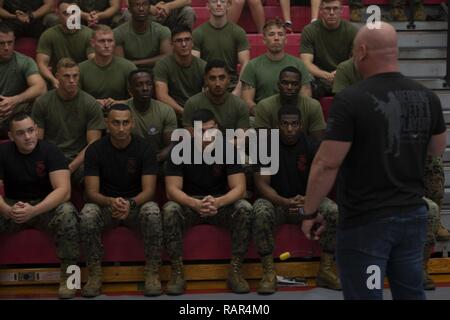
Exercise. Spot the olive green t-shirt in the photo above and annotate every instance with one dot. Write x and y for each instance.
(329, 47)
(137, 46)
(109, 81)
(232, 114)
(263, 73)
(57, 44)
(221, 43)
(66, 122)
(183, 82)
(14, 74)
(153, 123)
(266, 113)
(346, 75)
(93, 5)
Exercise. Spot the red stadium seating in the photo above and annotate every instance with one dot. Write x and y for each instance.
(26, 46)
(326, 102)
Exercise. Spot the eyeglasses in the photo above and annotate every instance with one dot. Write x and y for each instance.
(181, 40)
(329, 9)
(216, 1)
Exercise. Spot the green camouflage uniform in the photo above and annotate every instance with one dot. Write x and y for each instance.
(433, 220)
(61, 222)
(237, 217)
(268, 216)
(434, 179)
(145, 218)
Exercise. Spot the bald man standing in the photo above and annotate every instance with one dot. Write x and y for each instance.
(379, 133)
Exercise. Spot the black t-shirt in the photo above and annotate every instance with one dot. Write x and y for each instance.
(204, 179)
(389, 120)
(26, 176)
(120, 170)
(24, 5)
(294, 164)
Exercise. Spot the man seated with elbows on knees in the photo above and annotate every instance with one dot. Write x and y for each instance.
(36, 181)
(282, 198)
(205, 193)
(120, 181)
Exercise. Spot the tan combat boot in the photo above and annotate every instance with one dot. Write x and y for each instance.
(64, 292)
(236, 281)
(419, 13)
(327, 276)
(428, 283)
(152, 280)
(268, 284)
(177, 283)
(398, 14)
(356, 14)
(93, 287)
(442, 233)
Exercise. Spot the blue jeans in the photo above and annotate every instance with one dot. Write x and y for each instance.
(394, 245)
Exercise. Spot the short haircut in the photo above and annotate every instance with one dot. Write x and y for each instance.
(277, 22)
(120, 107)
(136, 71)
(179, 29)
(17, 116)
(216, 63)
(289, 110)
(101, 28)
(132, 1)
(4, 28)
(291, 69)
(203, 115)
(66, 63)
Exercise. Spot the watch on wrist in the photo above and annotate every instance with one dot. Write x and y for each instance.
(308, 216)
(133, 203)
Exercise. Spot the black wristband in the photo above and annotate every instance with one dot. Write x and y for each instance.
(309, 216)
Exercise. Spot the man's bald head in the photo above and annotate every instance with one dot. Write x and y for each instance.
(375, 50)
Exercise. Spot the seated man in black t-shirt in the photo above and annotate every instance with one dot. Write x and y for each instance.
(205, 193)
(36, 181)
(120, 180)
(283, 198)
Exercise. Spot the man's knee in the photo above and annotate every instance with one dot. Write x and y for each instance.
(90, 216)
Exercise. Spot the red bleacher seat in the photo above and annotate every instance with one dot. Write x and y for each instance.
(26, 46)
(300, 16)
(257, 46)
(326, 102)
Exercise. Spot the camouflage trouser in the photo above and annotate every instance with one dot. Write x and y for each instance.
(433, 220)
(61, 222)
(434, 179)
(146, 219)
(267, 217)
(237, 217)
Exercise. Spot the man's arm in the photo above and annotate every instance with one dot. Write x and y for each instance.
(308, 59)
(4, 14)
(262, 184)
(114, 7)
(323, 172)
(148, 189)
(248, 95)
(306, 90)
(164, 50)
(92, 186)
(437, 144)
(174, 190)
(46, 7)
(162, 94)
(60, 180)
(91, 136)
(236, 183)
(5, 209)
(43, 62)
(196, 53)
(243, 58)
(168, 145)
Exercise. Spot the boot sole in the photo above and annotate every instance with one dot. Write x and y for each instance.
(323, 284)
(236, 291)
